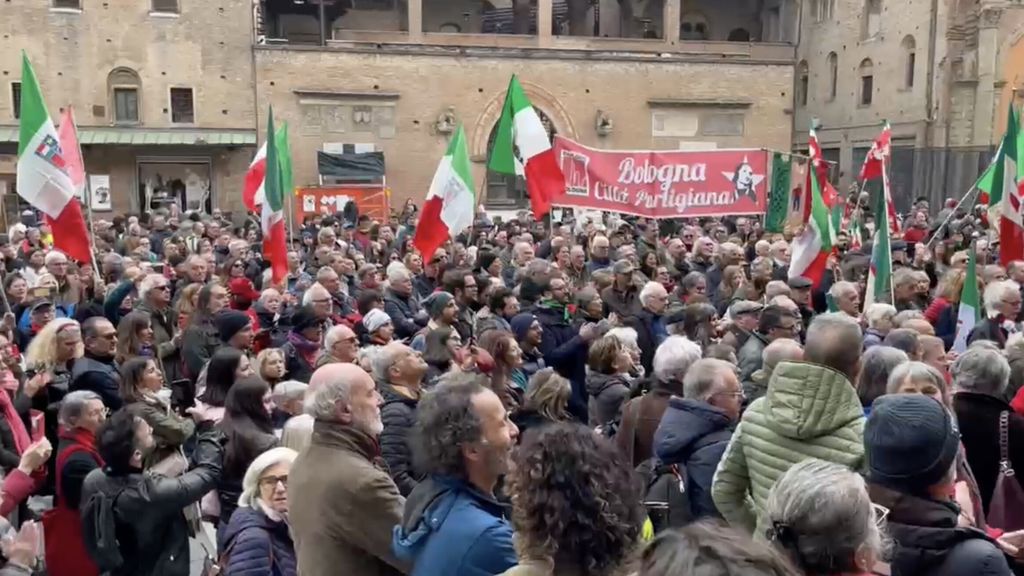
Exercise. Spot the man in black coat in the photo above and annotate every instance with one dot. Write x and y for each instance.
(96, 370)
(649, 324)
(402, 306)
(148, 509)
(563, 348)
(399, 372)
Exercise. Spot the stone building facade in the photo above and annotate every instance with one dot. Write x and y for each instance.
(942, 72)
(384, 75)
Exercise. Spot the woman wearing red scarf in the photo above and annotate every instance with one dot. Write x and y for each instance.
(81, 414)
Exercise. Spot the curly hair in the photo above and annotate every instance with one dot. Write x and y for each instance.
(573, 497)
(445, 422)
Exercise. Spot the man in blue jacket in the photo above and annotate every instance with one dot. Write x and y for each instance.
(453, 525)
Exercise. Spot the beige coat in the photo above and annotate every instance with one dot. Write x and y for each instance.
(343, 506)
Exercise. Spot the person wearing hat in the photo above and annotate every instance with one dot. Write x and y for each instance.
(235, 329)
(800, 292)
(243, 293)
(623, 296)
(743, 315)
(303, 345)
(379, 329)
(528, 333)
(911, 443)
(40, 313)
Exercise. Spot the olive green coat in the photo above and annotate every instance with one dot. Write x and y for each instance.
(810, 411)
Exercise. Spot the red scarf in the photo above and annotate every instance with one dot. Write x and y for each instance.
(21, 437)
(84, 438)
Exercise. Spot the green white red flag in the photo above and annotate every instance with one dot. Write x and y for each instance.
(813, 246)
(970, 308)
(451, 201)
(1004, 193)
(522, 148)
(879, 286)
(45, 169)
(275, 247)
(875, 165)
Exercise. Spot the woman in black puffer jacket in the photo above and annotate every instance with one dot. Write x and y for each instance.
(249, 431)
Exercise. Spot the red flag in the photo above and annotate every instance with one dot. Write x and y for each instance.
(254, 193)
(828, 192)
(70, 235)
(874, 167)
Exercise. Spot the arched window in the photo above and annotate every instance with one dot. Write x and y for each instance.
(739, 35)
(909, 61)
(833, 75)
(867, 81)
(123, 88)
(693, 26)
(872, 19)
(803, 81)
(503, 190)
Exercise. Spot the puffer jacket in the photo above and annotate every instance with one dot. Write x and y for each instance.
(398, 413)
(405, 314)
(810, 411)
(694, 434)
(608, 392)
(257, 545)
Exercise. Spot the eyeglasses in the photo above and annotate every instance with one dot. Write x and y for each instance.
(271, 481)
(737, 394)
(880, 512)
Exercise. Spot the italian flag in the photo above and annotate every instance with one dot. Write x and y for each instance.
(970, 310)
(44, 170)
(254, 191)
(880, 271)
(451, 201)
(272, 212)
(812, 247)
(1005, 194)
(522, 148)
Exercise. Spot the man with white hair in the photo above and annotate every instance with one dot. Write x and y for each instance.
(57, 265)
(696, 428)
(342, 506)
(341, 345)
(155, 300)
(1002, 306)
(522, 254)
(846, 296)
(399, 372)
(649, 322)
(322, 304)
(881, 318)
(402, 305)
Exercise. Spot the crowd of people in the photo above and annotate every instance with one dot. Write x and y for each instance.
(595, 396)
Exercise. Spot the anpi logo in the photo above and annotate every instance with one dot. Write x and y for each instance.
(576, 169)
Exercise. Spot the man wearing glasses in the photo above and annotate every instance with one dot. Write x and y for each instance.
(155, 300)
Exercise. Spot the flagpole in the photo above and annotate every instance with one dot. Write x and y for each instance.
(972, 190)
(885, 206)
(87, 193)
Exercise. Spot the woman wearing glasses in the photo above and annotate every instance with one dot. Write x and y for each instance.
(257, 534)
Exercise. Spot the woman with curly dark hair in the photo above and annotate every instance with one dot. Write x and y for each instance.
(575, 507)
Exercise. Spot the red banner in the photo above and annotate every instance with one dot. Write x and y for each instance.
(663, 184)
(371, 200)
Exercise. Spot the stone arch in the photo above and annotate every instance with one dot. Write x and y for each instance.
(541, 99)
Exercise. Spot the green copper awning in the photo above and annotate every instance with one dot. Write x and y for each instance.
(126, 136)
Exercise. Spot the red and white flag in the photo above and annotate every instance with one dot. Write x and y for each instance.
(48, 167)
(254, 193)
(874, 168)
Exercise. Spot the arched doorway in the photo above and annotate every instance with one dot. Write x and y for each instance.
(506, 192)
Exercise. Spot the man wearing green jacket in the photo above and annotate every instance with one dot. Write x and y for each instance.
(811, 410)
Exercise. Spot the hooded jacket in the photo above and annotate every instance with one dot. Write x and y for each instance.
(694, 434)
(258, 545)
(928, 540)
(398, 413)
(810, 411)
(608, 392)
(450, 528)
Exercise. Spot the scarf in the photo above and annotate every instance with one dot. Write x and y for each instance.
(308, 349)
(21, 437)
(557, 307)
(85, 438)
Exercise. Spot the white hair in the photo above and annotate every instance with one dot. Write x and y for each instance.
(73, 406)
(385, 359)
(334, 335)
(266, 294)
(674, 357)
(55, 256)
(879, 311)
(398, 273)
(837, 289)
(298, 432)
(650, 290)
(625, 335)
(148, 283)
(995, 292)
(289, 390)
(251, 480)
(981, 370)
(312, 291)
(704, 378)
(322, 404)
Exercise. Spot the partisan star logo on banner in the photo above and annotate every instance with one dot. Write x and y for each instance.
(49, 150)
(744, 181)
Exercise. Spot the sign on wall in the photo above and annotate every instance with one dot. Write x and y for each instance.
(371, 200)
(663, 184)
(99, 191)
